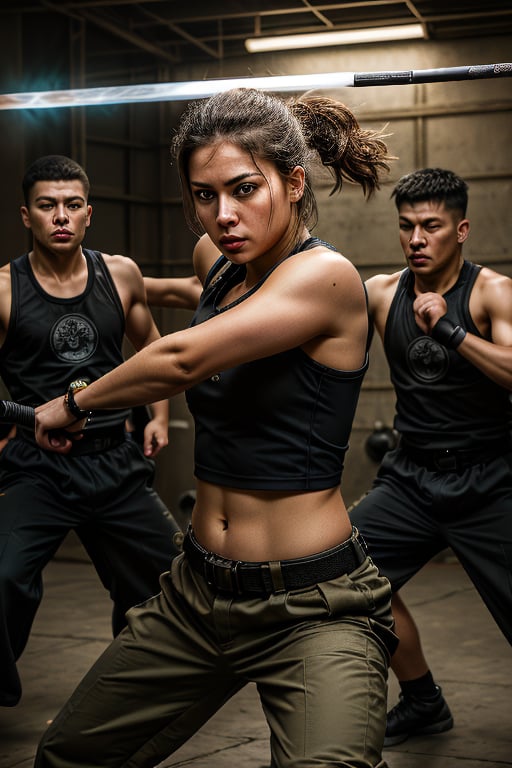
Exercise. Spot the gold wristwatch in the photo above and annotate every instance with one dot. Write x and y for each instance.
(69, 399)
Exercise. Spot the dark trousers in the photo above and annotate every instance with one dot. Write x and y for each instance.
(412, 513)
(108, 499)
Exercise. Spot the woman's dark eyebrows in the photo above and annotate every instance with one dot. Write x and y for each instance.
(228, 182)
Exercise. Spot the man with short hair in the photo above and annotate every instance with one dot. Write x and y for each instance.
(64, 312)
(446, 326)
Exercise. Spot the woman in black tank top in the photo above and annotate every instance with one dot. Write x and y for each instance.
(274, 585)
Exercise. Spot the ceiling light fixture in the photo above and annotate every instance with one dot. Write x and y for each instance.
(338, 37)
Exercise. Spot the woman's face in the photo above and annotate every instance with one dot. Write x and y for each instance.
(247, 209)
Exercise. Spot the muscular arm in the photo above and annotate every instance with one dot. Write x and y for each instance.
(314, 300)
(380, 290)
(183, 292)
(141, 331)
(204, 256)
(493, 301)
(491, 310)
(178, 292)
(5, 301)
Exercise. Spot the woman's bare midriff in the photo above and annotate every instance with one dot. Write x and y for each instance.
(268, 525)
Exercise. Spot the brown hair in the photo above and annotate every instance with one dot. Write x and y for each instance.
(289, 133)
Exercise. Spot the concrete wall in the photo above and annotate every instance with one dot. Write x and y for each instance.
(465, 126)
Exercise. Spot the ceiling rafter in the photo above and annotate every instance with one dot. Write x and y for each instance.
(114, 29)
(181, 32)
(170, 31)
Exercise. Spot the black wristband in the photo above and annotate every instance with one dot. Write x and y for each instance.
(447, 333)
(71, 405)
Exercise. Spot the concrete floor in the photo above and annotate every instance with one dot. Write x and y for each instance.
(468, 656)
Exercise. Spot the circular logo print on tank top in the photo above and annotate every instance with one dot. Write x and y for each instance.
(73, 338)
(427, 359)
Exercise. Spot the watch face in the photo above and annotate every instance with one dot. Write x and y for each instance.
(78, 384)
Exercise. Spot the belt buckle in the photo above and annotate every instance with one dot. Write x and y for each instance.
(222, 574)
(446, 462)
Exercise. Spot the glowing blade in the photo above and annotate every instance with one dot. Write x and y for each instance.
(198, 89)
(126, 94)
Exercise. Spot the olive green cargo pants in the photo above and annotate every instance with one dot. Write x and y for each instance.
(319, 657)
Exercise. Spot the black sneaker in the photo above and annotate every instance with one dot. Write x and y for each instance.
(413, 716)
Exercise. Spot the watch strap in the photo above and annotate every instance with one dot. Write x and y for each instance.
(70, 402)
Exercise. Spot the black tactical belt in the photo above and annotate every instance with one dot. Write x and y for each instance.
(98, 440)
(93, 440)
(241, 578)
(455, 459)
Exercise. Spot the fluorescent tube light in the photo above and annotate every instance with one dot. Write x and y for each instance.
(339, 37)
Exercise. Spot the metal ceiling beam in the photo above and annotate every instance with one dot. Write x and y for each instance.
(317, 13)
(321, 8)
(415, 12)
(137, 15)
(181, 32)
(114, 29)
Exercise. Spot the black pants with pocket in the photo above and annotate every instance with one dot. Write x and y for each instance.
(107, 497)
(412, 513)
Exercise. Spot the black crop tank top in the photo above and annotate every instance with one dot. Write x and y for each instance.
(443, 401)
(279, 423)
(51, 341)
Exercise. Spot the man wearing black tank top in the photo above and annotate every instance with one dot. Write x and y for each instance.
(446, 326)
(64, 312)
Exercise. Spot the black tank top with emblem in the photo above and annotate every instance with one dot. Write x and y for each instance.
(52, 341)
(279, 423)
(443, 401)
